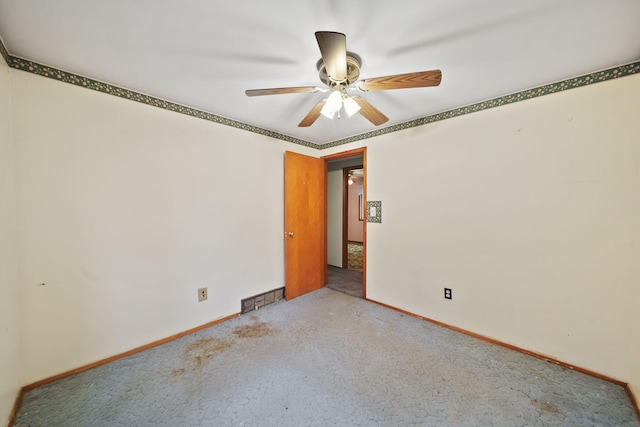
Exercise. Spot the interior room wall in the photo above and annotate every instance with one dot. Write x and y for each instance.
(634, 382)
(125, 210)
(10, 302)
(355, 231)
(529, 212)
(334, 218)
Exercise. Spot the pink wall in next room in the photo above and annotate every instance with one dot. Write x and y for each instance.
(355, 230)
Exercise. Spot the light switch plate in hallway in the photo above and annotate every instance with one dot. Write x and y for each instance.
(374, 211)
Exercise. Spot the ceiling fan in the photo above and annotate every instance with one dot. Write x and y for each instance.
(339, 70)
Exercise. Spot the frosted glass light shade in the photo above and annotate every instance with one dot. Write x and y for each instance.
(333, 104)
(350, 106)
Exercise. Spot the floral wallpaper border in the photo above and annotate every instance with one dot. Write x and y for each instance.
(63, 76)
(584, 80)
(4, 52)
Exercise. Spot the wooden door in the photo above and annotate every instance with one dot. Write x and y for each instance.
(305, 224)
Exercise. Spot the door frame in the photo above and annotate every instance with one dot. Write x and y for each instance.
(342, 155)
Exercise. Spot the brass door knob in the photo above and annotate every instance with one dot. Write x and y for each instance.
(290, 234)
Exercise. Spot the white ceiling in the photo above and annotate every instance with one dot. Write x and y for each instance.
(204, 54)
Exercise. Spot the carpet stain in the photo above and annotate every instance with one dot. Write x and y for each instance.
(547, 407)
(199, 352)
(255, 330)
(177, 372)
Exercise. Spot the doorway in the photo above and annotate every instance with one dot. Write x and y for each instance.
(346, 224)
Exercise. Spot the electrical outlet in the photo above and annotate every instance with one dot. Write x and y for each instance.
(447, 293)
(202, 294)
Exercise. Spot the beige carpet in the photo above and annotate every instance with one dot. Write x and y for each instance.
(327, 359)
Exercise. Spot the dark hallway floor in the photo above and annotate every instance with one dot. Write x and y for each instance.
(345, 280)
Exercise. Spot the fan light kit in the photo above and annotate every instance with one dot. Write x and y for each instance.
(339, 70)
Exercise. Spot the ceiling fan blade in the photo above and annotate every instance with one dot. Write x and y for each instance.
(370, 112)
(402, 81)
(281, 90)
(333, 47)
(313, 115)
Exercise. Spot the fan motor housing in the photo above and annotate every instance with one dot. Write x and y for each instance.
(353, 70)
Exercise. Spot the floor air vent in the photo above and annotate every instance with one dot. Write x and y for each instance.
(260, 300)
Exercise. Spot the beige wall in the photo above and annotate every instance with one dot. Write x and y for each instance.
(10, 302)
(355, 230)
(125, 210)
(530, 213)
(634, 382)
(334, 218)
